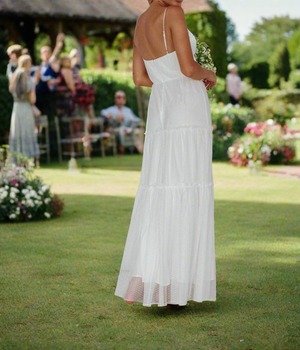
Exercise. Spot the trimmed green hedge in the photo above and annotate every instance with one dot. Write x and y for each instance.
(6, 104)
(107, 83)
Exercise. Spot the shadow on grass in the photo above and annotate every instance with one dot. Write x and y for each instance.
(68, 268)
(127, 163)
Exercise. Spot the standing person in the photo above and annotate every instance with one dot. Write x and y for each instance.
(75, 65)
(120, 117)
(22, 137)
(46, 77)
(169, 256)
(13, 52)
(65, 88)
(233, 84)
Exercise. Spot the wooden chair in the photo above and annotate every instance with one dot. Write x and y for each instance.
(42, 126)
(73, 139)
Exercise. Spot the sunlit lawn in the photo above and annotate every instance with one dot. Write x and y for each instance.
(58, 277)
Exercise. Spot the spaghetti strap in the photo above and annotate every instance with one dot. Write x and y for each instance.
(164, 32)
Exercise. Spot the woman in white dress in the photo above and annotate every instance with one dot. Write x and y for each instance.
(169, 256)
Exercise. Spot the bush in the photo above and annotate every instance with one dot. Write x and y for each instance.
(107, 83)
(263, 143)
(295, 78)
(24, 197)
(228, 123)
(279, 65)
(6, 103)
(258, 75)
(280, 106)
(211, 27)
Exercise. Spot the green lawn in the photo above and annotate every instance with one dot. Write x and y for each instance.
(58, 277)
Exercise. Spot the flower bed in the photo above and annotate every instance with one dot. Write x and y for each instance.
(228, 123)
(265, 143)
(24, 197)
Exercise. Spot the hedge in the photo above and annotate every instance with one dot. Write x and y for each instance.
(107, 83)
(6, 103)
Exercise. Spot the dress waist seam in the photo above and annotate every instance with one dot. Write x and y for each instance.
(207, 127)
(178, 185)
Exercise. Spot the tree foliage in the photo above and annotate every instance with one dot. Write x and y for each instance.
(211, 27)
(262, 41)
(279, 65)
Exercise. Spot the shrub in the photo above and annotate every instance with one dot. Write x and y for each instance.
(108, 82)
(24, 197)
(280, 106)
(6, 103)
(228, 123)
(295, 78)
(264, 143)
(279, 65)
(258, 75)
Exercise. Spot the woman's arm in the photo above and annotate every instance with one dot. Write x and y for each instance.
(189, 67)
(140, 75)
(32, 97)
(68, 75)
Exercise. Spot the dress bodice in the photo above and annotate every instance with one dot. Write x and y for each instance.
(167, 67)
(24, 97)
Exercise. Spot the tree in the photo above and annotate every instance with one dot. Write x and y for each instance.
(211, 27)
(294, 49)
(279, 65)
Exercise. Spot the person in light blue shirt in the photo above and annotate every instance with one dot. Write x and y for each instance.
(120, 118)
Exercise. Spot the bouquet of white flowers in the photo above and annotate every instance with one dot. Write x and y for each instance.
(203, 56)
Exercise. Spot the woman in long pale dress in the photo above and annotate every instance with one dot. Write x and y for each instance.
(169, 256)
(22, 136)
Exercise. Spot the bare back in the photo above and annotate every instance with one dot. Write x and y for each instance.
(149, 38)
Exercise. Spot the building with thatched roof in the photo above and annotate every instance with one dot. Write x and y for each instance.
(24, 19)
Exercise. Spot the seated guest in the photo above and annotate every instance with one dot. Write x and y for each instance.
(121, 118)
(46, 77)
(13, 52)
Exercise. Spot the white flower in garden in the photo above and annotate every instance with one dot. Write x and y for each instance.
(47, 215)
(270, 122)
(240, 150)
(266, 149)
(250, 155)
(12, 216)
(25, 191)
(29, 216)
(294, 120)
(12, 195)
(6, 187)
(44, 188)
(29, 187)
(12, 201)
(33, 193)
(15, 190)
(47, 200)
(28, 196)
(4, 194)
(40, 192)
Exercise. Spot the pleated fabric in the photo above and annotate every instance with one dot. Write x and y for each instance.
(169, 255)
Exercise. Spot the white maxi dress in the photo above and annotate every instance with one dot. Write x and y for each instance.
(169, 256)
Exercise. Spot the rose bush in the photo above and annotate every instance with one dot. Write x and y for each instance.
(266, 143)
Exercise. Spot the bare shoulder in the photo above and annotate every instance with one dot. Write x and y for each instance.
(176, 13)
